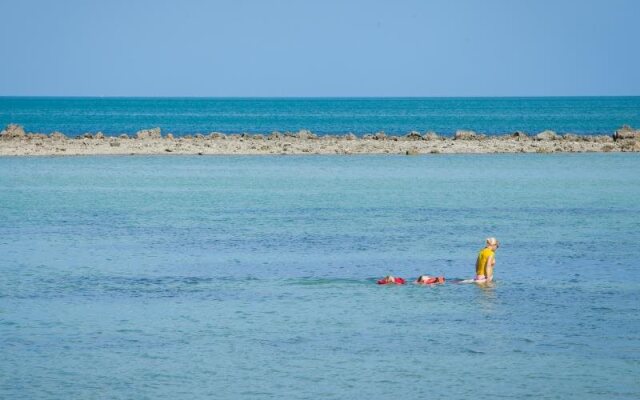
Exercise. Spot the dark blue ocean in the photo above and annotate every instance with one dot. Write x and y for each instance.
(73, 116)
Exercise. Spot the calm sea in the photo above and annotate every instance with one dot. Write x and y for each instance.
(583, 115)
(254, 277)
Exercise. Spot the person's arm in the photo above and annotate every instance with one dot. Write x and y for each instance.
(489, 268)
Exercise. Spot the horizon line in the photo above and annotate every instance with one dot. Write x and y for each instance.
(307, 97)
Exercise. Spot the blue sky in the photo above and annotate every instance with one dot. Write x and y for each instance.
(319, 48)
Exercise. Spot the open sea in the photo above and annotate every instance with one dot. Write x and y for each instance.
(180, 277)
(395, 116)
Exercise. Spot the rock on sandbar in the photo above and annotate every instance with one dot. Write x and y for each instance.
(149, 134)
(13, 131)
(626, 132)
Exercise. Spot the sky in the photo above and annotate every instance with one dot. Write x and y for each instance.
(321, 48)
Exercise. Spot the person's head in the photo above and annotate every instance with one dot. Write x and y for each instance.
(389, 279)
(493, 243)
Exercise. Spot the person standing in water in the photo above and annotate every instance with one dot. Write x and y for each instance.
(486, 260)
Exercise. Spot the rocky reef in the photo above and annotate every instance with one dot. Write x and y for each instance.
(15, 141)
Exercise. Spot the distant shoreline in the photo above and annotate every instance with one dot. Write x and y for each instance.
(14, 141)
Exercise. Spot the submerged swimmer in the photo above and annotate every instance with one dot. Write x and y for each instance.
(391, 280)
(486, 261)
(429, 280)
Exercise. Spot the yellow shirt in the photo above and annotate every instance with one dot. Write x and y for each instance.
(481, 262)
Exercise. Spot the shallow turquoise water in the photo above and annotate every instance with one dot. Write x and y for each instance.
(254, 277)
(74, 116)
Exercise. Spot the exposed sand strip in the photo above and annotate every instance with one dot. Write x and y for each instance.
(15, 142)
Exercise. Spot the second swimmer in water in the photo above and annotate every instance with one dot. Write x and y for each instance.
(429, 280)
(391, 280)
